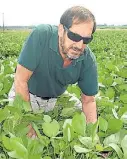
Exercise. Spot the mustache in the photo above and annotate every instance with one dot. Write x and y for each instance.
(76, 49)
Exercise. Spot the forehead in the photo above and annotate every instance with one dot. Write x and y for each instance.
(83, 29)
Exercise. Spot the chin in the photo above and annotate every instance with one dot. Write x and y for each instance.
(73, 57)
(75, 54)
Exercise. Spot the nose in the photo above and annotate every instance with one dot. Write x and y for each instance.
(79, 44)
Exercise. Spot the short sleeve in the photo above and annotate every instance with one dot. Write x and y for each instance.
(88, 81)
(31, 51)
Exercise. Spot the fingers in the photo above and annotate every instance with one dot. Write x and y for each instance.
(34, 137)
(31, 133)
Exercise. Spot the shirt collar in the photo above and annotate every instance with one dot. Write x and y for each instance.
(77, 60)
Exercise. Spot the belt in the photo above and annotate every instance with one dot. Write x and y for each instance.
(44, 98)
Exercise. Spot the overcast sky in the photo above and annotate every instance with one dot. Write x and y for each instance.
(34, 12)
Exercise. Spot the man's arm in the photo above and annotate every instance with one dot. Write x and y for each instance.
(21, 78)
(89, 108)
(21, 87)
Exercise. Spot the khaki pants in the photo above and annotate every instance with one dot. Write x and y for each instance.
(37, 103)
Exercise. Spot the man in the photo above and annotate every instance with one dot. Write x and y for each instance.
(53, 57)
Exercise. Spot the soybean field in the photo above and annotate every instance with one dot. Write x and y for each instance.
(63, 133)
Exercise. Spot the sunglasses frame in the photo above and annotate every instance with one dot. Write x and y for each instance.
(76, 37)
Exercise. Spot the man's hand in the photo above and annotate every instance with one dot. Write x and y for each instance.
(89, 108)
(32, 132)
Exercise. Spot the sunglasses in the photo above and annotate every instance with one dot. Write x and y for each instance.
(76, 37)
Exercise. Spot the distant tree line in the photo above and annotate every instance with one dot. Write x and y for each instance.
(105, 26)
(99, 26)
(17, 27)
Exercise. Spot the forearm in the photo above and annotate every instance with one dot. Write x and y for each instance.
(22, 89)
(90, 110)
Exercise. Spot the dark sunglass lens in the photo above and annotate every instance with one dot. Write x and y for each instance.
(72, 36)
(87, 40)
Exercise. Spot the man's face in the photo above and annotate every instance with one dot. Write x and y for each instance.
(71, 48)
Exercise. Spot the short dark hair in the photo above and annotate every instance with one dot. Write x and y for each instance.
(77, 15)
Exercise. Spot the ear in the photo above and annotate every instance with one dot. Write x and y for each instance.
(60, 30)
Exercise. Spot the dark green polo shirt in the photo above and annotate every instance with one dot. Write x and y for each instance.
(40, 54)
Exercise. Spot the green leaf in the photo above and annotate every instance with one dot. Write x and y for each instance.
(68, 133)
(6, 143)
(67, 112)
(114, 138)
(27, 106)
(21, 104)
(62, 145)
(87, 141)
(122, 110)
(94, 130)
(108, 81)
(47, 118)
(103, 124)
(110, 65)
(124, 146)
(123, 98)
(117, 149)
(79, 123)
(99, 147)
(32, 117)
(55, 144)
(110, 93)
(114, 125)
(123, 73)
(14, 154)
(122, 134)
(2, 156)
(36, 156)
(51, 129)
(124, 118)
(67, 121)
(4, 113)
(34, 147)
(18, 146)
(115, 113)
(80, 149)
(119, 80)
(74, 89)
(43, 139)
(14, 110)
(47, 157)
(8, 125)
(105, 102)
(21, 129)
(1, 86)
(122, 87)
(89, 127)
(18, 101)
